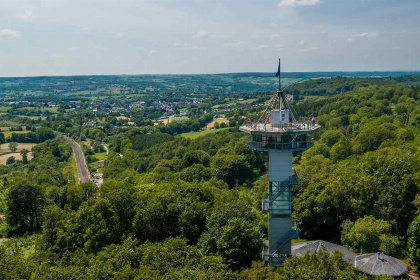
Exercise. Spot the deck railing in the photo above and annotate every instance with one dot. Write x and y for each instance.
(292, 126)
(280, 146)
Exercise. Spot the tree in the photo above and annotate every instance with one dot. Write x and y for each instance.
(368, 235)
(10, 160)
(258, 271)
(53, 223)
(219, 218)
(413, 244)
(94, 226)
(120, 195)
(13, 146)
(341, 150)
(240, 243)
(44, 133)
(76, 194)
(171, 254)
(14, 263)
(196, 172)
(195, 157)
(233, 169)
(25, 206)
(330, 137)
(24, 154)
(192, 221)
(372, 136)
(157, 220)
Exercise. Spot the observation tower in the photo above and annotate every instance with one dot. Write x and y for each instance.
(277, 134)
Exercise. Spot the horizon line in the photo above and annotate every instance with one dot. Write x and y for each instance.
(220, 73)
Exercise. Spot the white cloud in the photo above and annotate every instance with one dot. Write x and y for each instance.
(306, 50)
(260, 47)
(302, 43)
(201, 35)
(26, 15)
(273, 36)
(187, 46)
(366, 35)
(8, 33)
(293, 3)
(362, 35)
(237, 44)
(151, 52)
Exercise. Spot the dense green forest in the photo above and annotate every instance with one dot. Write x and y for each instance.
(330, 86)
(176, 208)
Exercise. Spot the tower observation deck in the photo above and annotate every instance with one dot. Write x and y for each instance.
(277, 134)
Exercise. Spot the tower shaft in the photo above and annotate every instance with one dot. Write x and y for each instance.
(280, 231)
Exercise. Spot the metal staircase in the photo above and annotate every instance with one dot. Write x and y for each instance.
(291, 234)
(290, 181)
(273, 256)
(273, 206)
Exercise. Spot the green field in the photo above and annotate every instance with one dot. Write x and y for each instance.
(194, 135)
(221, 120)
(177, 119)
(100, 156)
(9, 133)
(44, 109)
(233, 103)
(5, 108)
(32, 117)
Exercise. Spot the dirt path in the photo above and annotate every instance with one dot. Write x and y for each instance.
(106, 148)
(82, 169)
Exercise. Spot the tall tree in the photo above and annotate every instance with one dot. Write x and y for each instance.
(24, 154)
(25, 206)
(13, 146)
(240, 243)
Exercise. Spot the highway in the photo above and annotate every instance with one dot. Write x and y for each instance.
(82, 169)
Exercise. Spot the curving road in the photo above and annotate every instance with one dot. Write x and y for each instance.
(82, 169)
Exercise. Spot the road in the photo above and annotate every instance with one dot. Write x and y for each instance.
(82, 169)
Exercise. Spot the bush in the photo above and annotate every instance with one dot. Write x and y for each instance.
(414, 242)
(10, 160)
(368, 235)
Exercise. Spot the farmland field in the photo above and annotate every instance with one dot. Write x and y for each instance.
(9, 133)
(4, 148)
(17, 156)
(194, 135)
(219, 121)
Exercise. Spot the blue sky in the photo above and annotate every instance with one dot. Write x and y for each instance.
(66, 37)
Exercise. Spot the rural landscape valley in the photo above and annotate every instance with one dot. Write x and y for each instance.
(121, 181)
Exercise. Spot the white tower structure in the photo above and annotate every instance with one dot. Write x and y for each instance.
(278, 134)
